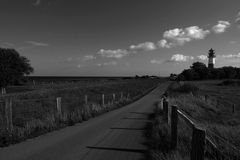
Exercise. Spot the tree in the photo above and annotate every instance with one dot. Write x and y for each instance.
(13, 67)
(198, 66)
(230, 72)
(201, 69)
(190, 74)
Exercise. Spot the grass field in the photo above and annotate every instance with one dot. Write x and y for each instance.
(35, 112)
(46, 82)
(208, 104)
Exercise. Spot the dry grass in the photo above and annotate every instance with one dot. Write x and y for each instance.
(210, 106)
(160, 140)
(34, 113)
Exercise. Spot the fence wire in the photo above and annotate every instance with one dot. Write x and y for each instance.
(25, 110)
(224, 149)
(184, 138)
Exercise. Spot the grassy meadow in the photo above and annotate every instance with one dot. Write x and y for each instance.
(210, 105)
(34, 112)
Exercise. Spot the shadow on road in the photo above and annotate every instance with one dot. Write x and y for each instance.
(118, 149)
(136, 118)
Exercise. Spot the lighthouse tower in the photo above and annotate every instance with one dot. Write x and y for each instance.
(211, 59)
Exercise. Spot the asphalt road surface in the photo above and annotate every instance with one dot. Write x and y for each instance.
(116, 135)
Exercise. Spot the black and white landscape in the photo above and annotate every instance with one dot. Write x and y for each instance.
(119, 79)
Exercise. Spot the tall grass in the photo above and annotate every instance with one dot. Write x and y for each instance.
(160, 140)
(40, 119)
(214, 114)
(211, 114)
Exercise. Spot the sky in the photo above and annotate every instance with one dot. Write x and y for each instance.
(120, 37)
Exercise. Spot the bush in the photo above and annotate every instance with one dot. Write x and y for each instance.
(184, 88)
(230, 83)
(199, 71)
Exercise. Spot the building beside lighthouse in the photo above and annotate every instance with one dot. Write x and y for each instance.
(211, 58)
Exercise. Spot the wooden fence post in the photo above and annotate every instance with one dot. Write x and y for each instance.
(198, 143)
(174, 129)
(165, 109)
(161, 104)
(59, 105)
(8, 114)
(206, 98)
(128, 96)
(86, 99)
(103, 100)
(114, 97)
(3, 91)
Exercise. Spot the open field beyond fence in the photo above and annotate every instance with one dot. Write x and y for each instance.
(208, 110)
(29, 114)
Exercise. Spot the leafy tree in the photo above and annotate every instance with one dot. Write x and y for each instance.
(181, 77)
(230, 72)
(198, 66)
(13, 67)
(219, 73)
(190, 74)
(199, 71)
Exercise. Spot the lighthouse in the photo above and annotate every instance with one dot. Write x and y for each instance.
(211, 59)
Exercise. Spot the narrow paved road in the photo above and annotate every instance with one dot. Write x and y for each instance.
(115, 135)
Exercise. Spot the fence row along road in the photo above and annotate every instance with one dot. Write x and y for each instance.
(115, 135)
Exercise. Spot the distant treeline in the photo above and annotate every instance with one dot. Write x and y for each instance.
(73, 78)
(199, 71)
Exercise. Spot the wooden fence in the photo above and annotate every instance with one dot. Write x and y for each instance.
(199, 138)
(7, 107)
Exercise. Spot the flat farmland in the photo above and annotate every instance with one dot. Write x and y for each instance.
(45, 82)
(35, 111)
(213, 105)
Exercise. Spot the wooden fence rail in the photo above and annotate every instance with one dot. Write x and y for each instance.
(8, 110)
(7, 105)
(199, 138)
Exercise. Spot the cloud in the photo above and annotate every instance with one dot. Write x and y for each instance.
(118, 53)
(231, 56)
(8, 44)
(69, 59)
(238, 17)
(171, 38)
(154, 61)
(111, 63)
(80, 66)
(232, 42)
(164, 44)
(237, 20)
(180, 58)
(179, 36)
(146, 46)
(88, 57)
(37, 44)
(202, 57)
(37, 3)
(221, 26)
